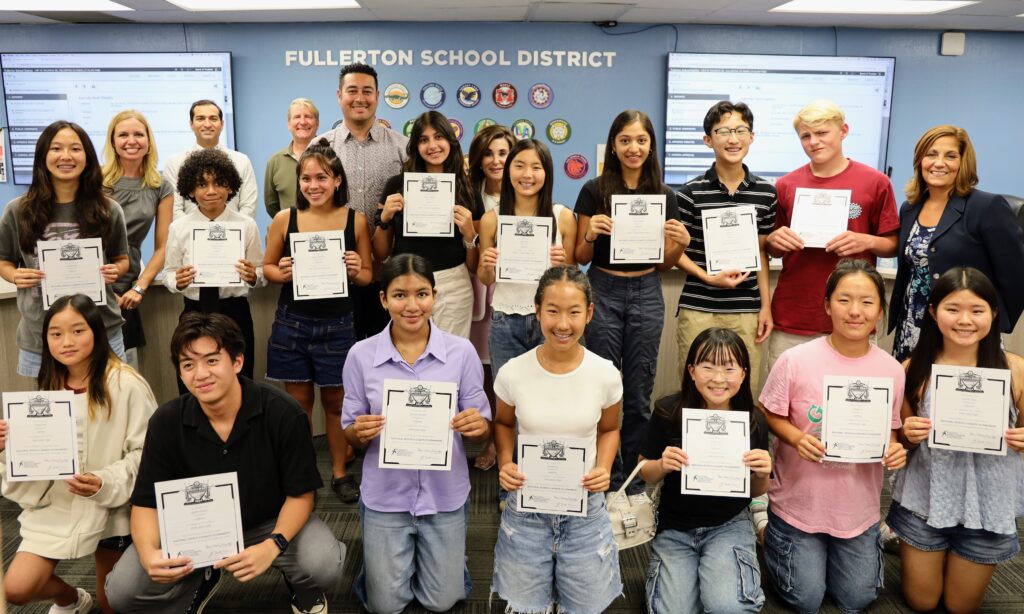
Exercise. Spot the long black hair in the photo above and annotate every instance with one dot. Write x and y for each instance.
(611, 182)
(930, 343)
(454, 163)
(545, 206)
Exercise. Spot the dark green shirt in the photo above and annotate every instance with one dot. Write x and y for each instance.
(279, 181)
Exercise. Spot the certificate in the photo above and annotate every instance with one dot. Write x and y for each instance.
(42, 442)
(730, 239)
(857, 423)
(429, 205)
(638, 229)
(820, 215)
(71, 267)
(715, 442)
(216, 249)
(417, 425)
(318, 265)
(200, 518)
(554, 467)
(970, 409)
(524, 247)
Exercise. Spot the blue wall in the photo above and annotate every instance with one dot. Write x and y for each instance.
(978, 90)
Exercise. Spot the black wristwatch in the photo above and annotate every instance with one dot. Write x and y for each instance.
(279, 541)
(380, 223)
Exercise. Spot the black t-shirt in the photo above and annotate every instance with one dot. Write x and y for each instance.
(442, 252)
(589, 202)
(687, 512)
(270, 446)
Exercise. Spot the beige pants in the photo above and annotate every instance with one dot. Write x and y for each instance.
(453, 307)
(781, 341)
(692, 322)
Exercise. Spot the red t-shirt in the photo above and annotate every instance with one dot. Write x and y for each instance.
(798, 305)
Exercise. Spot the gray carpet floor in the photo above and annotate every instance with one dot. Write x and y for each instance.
(267, 594)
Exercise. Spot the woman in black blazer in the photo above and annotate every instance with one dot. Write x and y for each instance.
(945, 223)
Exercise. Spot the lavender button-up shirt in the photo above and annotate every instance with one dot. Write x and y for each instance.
(447, 358)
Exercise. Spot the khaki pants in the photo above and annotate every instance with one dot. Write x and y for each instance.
(692, 322)
(782, 341)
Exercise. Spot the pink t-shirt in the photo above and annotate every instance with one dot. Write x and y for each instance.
(841, 499)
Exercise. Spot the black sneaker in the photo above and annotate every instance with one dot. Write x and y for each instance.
(346, 489)
(320, 607)
(211, 580)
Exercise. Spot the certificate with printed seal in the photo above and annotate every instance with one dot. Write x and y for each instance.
(820, 215)
(318, 265)
(417, 425)
(554, 468)
(638, 229)
(71, 267)
(715, 442)
(216, 249)
(730, 239)
(429, 209)
(970, 409)
(524, 247)
(42, 443)
(200, 517)
(857, 422)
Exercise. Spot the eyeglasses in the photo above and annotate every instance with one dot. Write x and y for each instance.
(740, 132)
(707, 371)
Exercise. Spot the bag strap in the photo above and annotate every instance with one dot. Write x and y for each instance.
(622, 490)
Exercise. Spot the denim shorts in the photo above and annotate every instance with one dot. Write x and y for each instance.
(303, 349)
(975, 545)
(542, 559)
(30, 362)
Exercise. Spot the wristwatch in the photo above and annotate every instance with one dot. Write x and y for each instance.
(380, 223)
(279, 541)
(139, 289)
(471, 244)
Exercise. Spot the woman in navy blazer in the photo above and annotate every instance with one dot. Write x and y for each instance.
(946, 223)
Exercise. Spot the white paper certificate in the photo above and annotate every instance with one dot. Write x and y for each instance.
(857, 423)
(200, 518)
(730, 239)
(554, 467)
(318, 265)
(71, 267)
(417, 425)
(42, 442)
(524, 247)
(970, 409)
(429, 205)
(216, 249)
(715, 442)
(820, 215)
(638, 229)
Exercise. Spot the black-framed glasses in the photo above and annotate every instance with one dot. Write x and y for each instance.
(741, 132)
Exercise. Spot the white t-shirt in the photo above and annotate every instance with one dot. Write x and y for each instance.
(568, 404)
(517, 297)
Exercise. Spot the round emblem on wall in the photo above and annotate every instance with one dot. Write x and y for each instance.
(576, 166)
(559, 131)
(504, 95)
(407, 128)
(483, 123)
(396, 95)
(383, 122)
(468, 95)
(541, 96)
(523, 129)
(432, 95)
(456, 127)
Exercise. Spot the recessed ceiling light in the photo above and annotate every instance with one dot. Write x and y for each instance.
(263, 5)
(40, 6)
(872, 7)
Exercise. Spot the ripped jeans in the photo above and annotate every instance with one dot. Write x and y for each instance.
(707, 569)
(542, 560)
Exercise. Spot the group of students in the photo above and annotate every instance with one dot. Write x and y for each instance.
(585, 344)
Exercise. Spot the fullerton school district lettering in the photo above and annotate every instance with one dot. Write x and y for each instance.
(450, 57)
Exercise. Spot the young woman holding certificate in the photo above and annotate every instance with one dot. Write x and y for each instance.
(709, 538)
(89, 512)
(311, 338)
(630, 307)
(413, 395)
(555, 545)
(64, 202)
(452, 252)
(822, 532)
(954, 510)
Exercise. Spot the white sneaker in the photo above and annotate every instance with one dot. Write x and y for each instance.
(82, 606)
(320, 607)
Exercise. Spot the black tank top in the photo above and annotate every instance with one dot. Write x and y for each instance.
(322, 307)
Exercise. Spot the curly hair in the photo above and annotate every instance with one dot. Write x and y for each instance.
(212, 162)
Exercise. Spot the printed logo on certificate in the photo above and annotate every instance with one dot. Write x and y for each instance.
(71, 267)
(200, 517)
(42, 440)
(730, 239)
(970, 409)
(318, 265)
(554, 467)
(638, 229)
(857, 422)
(524, 247)
(715, 442)
(216, 249)
(417, 425)
(820, 215)
(429, 209)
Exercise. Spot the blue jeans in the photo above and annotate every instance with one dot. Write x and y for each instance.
(30, 362)
(303, 349)
(512, 334)
(544, 559)
(804, 566)
(722, 559)
(975, 545)
(626, 329)
(407, 557)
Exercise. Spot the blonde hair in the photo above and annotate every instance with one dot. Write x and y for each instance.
(304, 102)
(819, 111)
(112, 170)
(966, 175)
